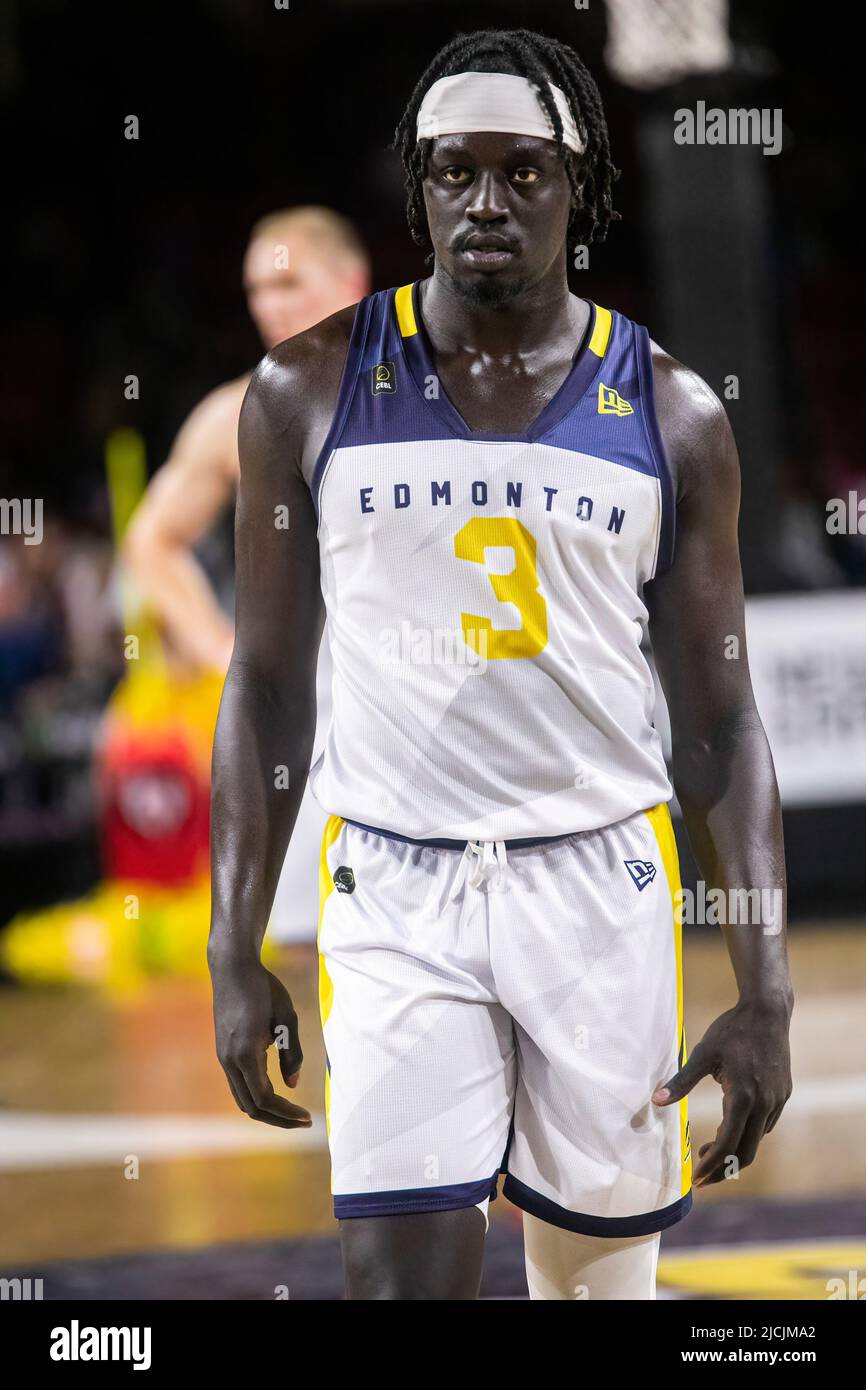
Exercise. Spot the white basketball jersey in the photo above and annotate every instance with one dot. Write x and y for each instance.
(484, 593)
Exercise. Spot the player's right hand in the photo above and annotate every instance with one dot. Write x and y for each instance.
(252, 1012)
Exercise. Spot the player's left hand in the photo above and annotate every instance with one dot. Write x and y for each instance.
(747, 1051)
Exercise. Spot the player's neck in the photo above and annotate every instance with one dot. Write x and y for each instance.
(533, 319)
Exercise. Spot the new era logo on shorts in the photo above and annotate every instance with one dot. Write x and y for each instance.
(344, 880)
(642, 872)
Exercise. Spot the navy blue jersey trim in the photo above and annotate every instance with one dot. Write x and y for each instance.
(418, 355)
(346, 393)
(643, 1224)
(453, 844)
(667, 537)
(450, 1197)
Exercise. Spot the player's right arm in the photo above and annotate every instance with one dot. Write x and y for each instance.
(266, 725)
(182, 503)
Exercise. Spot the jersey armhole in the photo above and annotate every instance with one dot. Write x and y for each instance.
(667, 528)
(345, 395)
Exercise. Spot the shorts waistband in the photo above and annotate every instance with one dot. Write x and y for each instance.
(455, 844)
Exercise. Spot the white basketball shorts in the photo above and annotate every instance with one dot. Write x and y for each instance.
(505, 1008)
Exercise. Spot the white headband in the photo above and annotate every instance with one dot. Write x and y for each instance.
(497, 101)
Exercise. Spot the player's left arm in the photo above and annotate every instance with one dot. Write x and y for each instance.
(722, 769)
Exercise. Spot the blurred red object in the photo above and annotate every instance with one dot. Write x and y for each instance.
(155, 805)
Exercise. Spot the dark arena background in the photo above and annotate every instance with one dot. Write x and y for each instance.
(141, 145)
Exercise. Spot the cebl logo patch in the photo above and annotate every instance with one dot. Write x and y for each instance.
(344, 880)
(642, 872)
(383, 379)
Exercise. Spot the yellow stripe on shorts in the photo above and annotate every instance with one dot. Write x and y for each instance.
(333, 827)
(659, 818)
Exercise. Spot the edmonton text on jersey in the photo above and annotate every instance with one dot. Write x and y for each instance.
(401, 496)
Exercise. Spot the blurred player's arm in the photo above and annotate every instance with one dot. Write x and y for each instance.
(182, 503)
(267, 719)
(722, 767)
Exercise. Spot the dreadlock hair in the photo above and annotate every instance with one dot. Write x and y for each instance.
(541, 60)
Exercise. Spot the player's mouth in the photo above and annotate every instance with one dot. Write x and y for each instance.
(487, 252)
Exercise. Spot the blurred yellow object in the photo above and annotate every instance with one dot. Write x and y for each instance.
(151, 916)
(780, 1270)
(126, 475)
(118, 936)
(149, 698)
(127, 930)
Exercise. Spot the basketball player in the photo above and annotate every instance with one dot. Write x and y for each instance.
(502, 484)
(301, 265)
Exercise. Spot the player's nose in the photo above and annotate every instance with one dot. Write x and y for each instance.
(488, 202)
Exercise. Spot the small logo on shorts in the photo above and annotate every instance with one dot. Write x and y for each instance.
(642, 872)
(344, 880)
(383, 378)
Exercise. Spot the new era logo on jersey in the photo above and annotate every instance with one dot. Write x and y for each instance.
(610, 402)
(383, 379)
(642, 872)
(344, 879)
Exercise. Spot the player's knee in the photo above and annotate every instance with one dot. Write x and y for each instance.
(425, 1256)
(564, 1265)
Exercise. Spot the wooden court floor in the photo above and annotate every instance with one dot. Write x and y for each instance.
(118, 1136)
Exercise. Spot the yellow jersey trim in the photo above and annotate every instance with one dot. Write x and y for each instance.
(601, 331)
(405, 311)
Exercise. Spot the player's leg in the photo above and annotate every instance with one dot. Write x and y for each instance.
(421, 1066)
(429, 1256)
(591, 978)
(565, 1265)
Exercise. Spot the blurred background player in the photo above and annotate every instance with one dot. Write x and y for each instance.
(301, 265)
(147, 913)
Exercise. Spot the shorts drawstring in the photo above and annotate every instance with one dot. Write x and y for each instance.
(480, 860)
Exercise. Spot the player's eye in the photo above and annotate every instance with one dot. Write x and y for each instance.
(456, 174)
(525, 176)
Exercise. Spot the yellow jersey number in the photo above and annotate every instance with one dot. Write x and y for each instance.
(519, 587)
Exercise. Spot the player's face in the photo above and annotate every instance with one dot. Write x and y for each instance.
(290, 286)
(497, 209)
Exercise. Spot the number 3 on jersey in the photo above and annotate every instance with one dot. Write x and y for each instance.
(519, 587)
